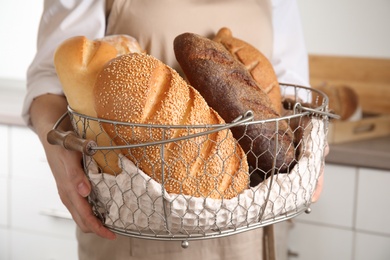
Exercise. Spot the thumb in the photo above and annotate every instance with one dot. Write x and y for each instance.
(84, 187)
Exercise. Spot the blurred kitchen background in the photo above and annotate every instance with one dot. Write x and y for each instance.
(349, 44)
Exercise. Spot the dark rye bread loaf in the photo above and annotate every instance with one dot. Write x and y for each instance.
(229, 88)
(255, 62)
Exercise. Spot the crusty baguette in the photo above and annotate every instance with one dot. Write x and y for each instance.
(140, 89)
(229, 88)
(78, 61)
(255, 62)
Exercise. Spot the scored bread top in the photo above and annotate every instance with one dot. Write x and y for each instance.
(78, 60)
(256, 63)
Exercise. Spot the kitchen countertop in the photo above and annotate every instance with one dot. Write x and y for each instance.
(373, 153)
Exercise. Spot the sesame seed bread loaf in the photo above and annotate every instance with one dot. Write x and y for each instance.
(77, 62)
(229, 88)
(140, 89)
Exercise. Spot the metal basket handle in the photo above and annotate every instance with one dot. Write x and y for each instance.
(70, 141)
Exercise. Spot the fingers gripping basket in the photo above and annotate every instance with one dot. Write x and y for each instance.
(134, 204)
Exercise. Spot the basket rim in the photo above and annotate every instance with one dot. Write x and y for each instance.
(299, 110)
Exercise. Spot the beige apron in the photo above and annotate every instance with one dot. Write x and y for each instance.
(155, 24)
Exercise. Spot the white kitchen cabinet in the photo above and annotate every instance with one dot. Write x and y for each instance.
(36, 246)
(351, 219)
(31, 201)
(27, 155)
(336, 204)
(33, 189)
(3, 202)
(317, 242)
(4, 172)
(4, 151)
(4, 198)
(373, 206)
(372, 246)
(34, 224)
(4, 243)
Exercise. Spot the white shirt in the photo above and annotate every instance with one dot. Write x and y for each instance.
(61, 20)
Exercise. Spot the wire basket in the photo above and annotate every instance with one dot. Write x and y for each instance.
(137, 204)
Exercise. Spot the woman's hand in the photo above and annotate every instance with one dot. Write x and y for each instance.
(72, 184)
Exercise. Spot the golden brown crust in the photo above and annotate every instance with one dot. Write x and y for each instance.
(255, 62)
(229, 88)
(78, 61)
(138, 88)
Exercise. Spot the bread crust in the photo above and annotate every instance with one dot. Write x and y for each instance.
(123, 43)
(229, 88)
(343, 100)
(255, 62)
(78, 61)
(140, 89)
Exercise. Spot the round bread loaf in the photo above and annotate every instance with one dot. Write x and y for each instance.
(343, 101)
(140, 89)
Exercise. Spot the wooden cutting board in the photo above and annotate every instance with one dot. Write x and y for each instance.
(370, 78)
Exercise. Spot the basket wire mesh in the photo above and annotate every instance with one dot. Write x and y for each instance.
(133, 203)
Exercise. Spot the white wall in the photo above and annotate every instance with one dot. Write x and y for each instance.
(334, 27)
(347, 27)
(19, 20)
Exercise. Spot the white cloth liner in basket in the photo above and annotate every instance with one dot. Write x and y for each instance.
(134, 201)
